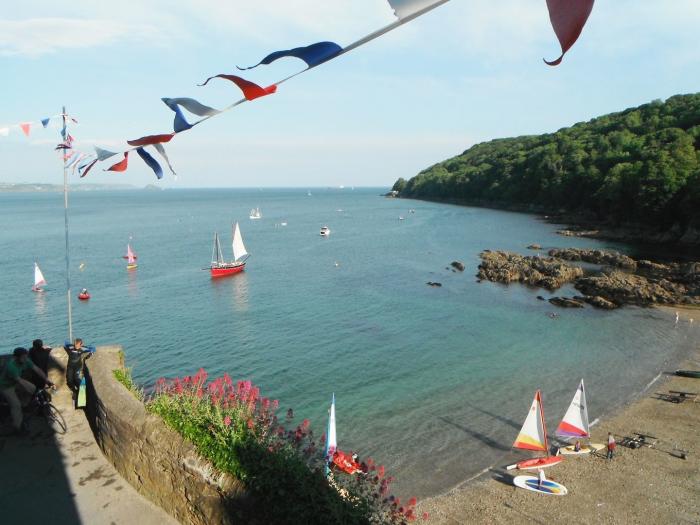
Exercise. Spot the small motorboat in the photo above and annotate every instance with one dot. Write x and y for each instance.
(255, 214)
(325, 231)
(84, 295)
(401, 217)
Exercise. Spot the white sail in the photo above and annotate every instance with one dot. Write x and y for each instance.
(38, 277)
(237, 245)
(130, 257)
(405, 8)
(331, 441)
(533, 435)
(575, 422)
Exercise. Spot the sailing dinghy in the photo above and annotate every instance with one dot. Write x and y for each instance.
(334, 457)
(219, 267)
(575, 425)
(39, 280)
(130, 258)
(533, 436)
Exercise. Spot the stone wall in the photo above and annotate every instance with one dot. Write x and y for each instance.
(153, 458)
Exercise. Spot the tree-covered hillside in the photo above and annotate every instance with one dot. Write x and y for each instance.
(641, 165)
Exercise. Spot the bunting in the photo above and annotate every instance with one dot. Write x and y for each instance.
(121, 165)
(250, 90)
(568, 18)
(312, 55)
(26, 126)
(151, 162)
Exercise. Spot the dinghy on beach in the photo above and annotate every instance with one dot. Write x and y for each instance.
(547, 486)
(533, 436)
(575, 425)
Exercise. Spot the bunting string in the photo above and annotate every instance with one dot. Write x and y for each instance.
(568, 17)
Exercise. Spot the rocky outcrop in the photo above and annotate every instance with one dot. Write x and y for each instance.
(566, 302)
(599, 302)
(578, 233)
(603, 257)
(534, 247)
(625, 288)
(457, 265)
(507, 267)
(434, 284)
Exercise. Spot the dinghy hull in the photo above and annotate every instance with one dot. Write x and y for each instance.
(545, 462)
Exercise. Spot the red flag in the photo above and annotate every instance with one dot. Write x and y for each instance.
(88, 168)
(251, 91)
(568, 18)
(151, 139)
(121, 165)
(26, 126)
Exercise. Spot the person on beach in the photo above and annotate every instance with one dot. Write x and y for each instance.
(577, 446)
(75, 353)
(540, 478)
(677, 317)
(11, 381)
(611, 445)
(39, 355)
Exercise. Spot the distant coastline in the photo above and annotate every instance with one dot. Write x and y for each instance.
(10, 187)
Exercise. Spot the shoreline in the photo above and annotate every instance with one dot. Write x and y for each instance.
(601, 490)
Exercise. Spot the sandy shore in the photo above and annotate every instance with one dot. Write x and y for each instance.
(645, 485)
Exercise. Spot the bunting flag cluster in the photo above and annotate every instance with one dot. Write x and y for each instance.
(568, 18)
(27, 126)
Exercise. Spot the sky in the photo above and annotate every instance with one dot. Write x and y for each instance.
(467, 72)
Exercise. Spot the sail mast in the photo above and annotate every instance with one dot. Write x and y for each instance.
(64, 135)
(544, 427)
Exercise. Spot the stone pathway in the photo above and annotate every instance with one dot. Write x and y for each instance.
(48, 477)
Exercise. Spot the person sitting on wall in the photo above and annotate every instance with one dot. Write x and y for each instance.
(39, 355)
(11, 381)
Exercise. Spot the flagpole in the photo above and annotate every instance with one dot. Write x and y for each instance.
(65, 215)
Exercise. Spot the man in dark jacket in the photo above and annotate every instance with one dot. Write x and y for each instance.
(75, 353)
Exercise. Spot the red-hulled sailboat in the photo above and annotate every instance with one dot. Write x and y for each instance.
(219, 267)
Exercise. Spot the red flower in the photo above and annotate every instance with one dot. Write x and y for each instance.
(412, 502)
(251, 424)
(227, 420)
(425, 516)
(380, 471)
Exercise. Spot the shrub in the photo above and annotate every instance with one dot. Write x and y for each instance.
(281, 464)
(124, 377)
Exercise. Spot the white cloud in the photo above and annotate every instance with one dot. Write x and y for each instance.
(39, 36)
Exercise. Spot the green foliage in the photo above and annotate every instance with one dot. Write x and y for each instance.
(238, 431)
(124, 377)
(641, 165)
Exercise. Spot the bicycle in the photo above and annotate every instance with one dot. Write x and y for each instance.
(41, 403)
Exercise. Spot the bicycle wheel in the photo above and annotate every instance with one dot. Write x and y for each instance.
(53, 415)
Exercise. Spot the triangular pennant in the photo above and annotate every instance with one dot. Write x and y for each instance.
(568, 18)
(151, 139)
(180, 122)
(313, 54)
(151, 162)
(251, 91)
(103, 154)
(193, 106)
(45, 122)
(87, 168)
(161, 150)
(121, 165)
(26, 128)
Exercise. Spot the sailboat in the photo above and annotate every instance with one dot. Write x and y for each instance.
(533, 436)
(334, 457)
(255, 213)
(39, 280)
(575, 425)
(219, 267)
(130, 258)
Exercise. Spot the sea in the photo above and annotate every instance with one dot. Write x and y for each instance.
(432, 382)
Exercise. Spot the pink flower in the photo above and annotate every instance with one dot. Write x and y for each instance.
(227, 420)
(425, 516)
(251, 424)
(380, 471)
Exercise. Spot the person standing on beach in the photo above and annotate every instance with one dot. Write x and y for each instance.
(677, 317)
(611, 445)
(540, 478)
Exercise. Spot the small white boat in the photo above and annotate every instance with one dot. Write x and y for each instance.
(325, 231)
(411, 211)
(401, 217)
(283, 223)
(255, 214)
(575, 425)
(39, 280)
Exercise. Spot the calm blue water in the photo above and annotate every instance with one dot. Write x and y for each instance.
(432, 382)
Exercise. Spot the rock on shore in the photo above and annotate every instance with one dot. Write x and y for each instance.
(604, 257)
(507, 267)
(624, 288)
